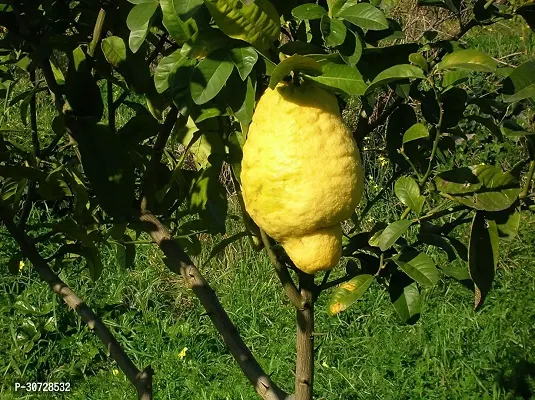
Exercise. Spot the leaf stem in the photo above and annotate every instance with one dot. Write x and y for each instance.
(529, 178)
(437, 137)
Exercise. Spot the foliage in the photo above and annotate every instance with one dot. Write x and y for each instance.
(191, 72)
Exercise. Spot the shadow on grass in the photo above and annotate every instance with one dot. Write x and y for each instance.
(520, 380)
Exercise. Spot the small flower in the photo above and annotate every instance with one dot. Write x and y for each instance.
(370, 177)
(21, 265)
(324, 364)
(115, 372)
(182, 353)
(364, 148)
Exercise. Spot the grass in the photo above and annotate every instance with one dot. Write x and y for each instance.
(452, 352)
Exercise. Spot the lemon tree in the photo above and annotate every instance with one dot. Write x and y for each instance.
(153, 100)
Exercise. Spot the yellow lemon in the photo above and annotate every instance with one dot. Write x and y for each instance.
(301, 173)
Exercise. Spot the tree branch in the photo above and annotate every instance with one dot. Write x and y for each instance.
(142, 380)
(178, 262)
(284, 275)
(304, 370)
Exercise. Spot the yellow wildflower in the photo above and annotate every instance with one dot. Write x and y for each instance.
(182, 353)
(115, 372)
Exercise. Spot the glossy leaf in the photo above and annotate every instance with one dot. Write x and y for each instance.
(293, 63)
(419, 60)
(167, 69)
(209, 77)
(405, 297)
(341, 78)
(454, 78)
(470, 60)
(351, 49)
(482, 187)
(107, 165)
(138, 22)
(244, 58)
(415, 132)
(363, 15)
(224, 243)
(333, 31)
(395, 73)
(245, 113)
(482, 255)
(507, 222)
(257, 23)
(520, 84)
(204, 42)
(392, 233)
(179, 29)
(82, 91)
(114, 50)
(349, 292)
(408, 192)
(184, 9)
(419, 266)
(309, 11)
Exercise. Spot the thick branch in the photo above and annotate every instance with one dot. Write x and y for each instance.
(284, 275)
(304, 369)
(179, 262)
(142, 380)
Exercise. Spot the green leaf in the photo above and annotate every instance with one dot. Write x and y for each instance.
(454, 78)
(218, 248)
(209, 77)
(392, 233)
(419, 266)
(461, 274)
(483, 187)
(348, 293)
(438, 241)
(333, 31)
(418, 60)
(107, 165)
(482, 255)
(125, 253)
(168, 68)
(293, 63)
(512, 129)
(351, 50)
(415, 132)
(395, 73)
(82, 91)
(341, 78)
(299, 47)
(363, 15)
(173, 22)
(520, 84)
(245, 113)
(257, 23)
(138, 22)
(309, 11)
(507, 222)
(405, 297)
(94, 262)
(470, 60)
(184, 9)
(204, 42)
(114, 50)
(58, 75)
(408, 192)
(244, 58)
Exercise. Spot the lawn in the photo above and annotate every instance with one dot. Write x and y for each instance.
(452, 352)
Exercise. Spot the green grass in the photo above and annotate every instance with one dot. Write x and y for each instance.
(452, 352)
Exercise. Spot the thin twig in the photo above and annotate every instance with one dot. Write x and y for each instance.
(284, 275)
(142, 380)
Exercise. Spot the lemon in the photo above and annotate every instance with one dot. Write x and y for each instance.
(301, 173)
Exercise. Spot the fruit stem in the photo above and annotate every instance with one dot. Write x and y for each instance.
(304, 370)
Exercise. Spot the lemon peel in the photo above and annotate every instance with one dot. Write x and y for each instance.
(301, 173)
